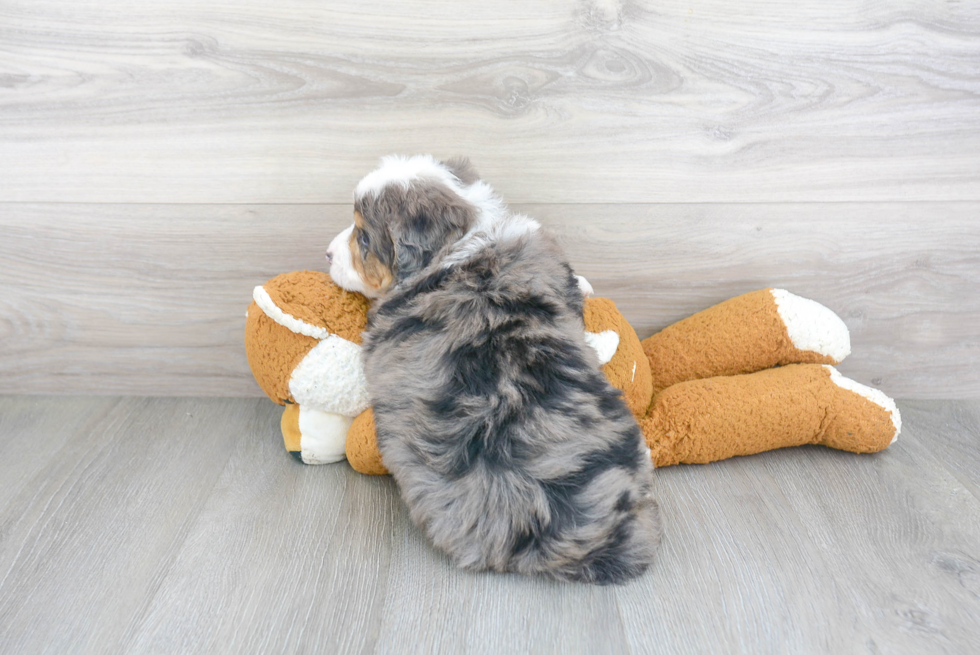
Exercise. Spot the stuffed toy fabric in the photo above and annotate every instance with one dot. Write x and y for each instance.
(748, 375)
(303, 342)
(717, 395)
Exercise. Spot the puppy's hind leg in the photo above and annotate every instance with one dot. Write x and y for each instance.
(632, 543)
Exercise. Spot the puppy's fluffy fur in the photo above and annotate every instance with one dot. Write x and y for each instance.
(511, 449)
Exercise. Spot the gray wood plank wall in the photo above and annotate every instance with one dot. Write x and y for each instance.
(158, 160)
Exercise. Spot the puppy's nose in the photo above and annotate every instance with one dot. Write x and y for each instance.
(329, 256)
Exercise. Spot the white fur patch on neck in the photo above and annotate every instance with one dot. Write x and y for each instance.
(490, 206)
(605, 344)
(493, 223)
(491, 227)
(874, 395)
(401, 170)
(288, 321)
(811, 326)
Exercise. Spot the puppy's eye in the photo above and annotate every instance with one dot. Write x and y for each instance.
(362, 239)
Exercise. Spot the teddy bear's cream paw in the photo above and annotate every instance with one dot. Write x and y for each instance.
(811, 326)
(313, 436)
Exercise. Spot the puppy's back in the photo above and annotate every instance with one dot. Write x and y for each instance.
(511, 449)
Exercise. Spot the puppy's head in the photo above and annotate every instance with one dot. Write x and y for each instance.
(406, 212)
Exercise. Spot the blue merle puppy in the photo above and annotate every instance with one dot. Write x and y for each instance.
(510, 448)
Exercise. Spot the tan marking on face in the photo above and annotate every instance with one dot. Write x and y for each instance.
(375, 274)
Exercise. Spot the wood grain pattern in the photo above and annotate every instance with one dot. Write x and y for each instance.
(181, 525)
(300, 556)
(32, 432)
(957, 448)
(86, 542)
(600, 101)
(872, 560)
(150, 299)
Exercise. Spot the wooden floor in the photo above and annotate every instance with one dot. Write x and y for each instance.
(181, 525)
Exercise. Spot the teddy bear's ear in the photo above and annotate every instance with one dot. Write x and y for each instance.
(310, 303)
(289, 315)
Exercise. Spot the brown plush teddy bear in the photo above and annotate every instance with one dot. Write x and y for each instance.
(303, 342)
(751, 374)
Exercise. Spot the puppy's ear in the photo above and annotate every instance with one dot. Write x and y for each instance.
(434, 217)
(462, 169)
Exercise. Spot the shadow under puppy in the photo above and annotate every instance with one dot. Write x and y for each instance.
(510, 448)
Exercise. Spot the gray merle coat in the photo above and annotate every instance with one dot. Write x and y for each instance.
(510, 448)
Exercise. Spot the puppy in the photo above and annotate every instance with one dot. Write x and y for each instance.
(510, 448)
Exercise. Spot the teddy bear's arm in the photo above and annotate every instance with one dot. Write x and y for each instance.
(748, 333)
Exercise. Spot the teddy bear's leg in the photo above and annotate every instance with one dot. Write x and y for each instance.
(748, 333)
(329, 389)
(314, 436)
(706, 420)
(362, 446)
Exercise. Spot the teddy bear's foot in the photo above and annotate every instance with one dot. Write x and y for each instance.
(811, 328)
(861, 419)
(313, 436)
(703, 421)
